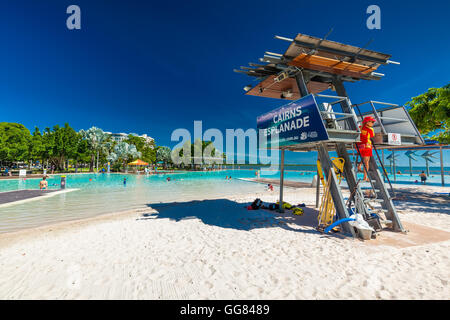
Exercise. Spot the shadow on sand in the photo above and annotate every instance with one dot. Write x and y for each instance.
(422, 201)
(225, 213)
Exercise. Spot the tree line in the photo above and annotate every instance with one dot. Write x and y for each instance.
(60, 146)
(430, 112)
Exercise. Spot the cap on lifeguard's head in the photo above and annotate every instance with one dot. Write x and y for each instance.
(368, 119)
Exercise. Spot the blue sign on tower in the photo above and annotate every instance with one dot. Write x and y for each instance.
(298, 122)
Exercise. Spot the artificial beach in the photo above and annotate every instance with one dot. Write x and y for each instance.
(214, 248)
(349, 228)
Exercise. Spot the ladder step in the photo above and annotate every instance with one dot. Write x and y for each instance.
(370, 188)
(374, 200)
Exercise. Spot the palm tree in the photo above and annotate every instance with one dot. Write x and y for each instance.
(96, 139)
(163, 154)
(123, 151)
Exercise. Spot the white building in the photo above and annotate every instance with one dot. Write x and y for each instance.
(118, 137)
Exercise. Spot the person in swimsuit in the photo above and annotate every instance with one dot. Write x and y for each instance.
(423, 177)
(43, 184)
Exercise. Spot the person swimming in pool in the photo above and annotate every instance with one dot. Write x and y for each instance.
(43, 184)
(124, 181)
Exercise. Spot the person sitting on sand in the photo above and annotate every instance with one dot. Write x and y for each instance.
(43, 184)
(423, 177)
(269, 187)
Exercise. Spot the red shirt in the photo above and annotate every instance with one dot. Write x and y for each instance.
(366, 133)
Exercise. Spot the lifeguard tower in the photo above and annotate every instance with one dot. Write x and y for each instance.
(310, 66)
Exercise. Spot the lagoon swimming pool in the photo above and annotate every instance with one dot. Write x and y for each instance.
(105, 193)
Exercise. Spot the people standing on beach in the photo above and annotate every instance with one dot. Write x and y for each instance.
(43, 184)
(423, 177)
(365, 144)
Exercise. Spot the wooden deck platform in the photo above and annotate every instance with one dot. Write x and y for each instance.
(20, 195)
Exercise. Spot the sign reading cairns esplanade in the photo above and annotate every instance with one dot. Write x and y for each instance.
(294, 123)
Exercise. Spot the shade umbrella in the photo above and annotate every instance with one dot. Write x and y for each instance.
(138, 162)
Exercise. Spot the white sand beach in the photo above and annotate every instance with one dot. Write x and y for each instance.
(183, 251)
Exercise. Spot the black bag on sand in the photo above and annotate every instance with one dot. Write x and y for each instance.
(256, 204)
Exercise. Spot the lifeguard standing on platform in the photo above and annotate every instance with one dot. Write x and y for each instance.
(365, 144)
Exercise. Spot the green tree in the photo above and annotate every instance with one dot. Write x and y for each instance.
(147, 149)
(61, 144)
(98, 143)
(36, 146)
(164, 154)
(123, 152)
(14, 142)
(430, 112)
(82, 151)
(200, 152)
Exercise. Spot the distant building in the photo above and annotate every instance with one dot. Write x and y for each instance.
(118, 137)
(147, 138)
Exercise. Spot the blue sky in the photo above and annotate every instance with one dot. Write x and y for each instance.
(152, 67)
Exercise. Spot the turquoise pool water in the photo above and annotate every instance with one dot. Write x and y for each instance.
(105, 193)
(112, 181)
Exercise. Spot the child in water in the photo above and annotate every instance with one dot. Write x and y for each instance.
(124, 181)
